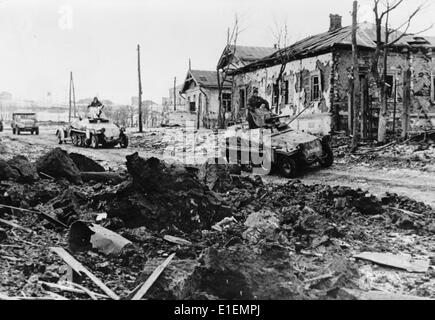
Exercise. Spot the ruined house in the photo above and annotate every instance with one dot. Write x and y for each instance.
(234, 57)
(310, 79)
(201, 94)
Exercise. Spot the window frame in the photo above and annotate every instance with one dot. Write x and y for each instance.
(226, 102)
(316, 74)
(242, 97)
(390, 95)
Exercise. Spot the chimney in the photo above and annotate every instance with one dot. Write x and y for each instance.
(335, 22)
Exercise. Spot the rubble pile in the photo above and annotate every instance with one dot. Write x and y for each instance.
(416, 152)
(160, 197)
(234, 236)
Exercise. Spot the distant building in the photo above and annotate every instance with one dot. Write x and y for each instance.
(5, 97)
(201, 92)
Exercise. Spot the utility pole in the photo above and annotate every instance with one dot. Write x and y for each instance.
(73, 94)
(69, 113)
(140, 89)
(175, 93)
(356, 80)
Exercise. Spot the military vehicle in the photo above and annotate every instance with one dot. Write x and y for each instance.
(287, 150)
(24, 122)
(94, 131)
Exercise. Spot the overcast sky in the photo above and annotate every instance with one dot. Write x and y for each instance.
(43, 40)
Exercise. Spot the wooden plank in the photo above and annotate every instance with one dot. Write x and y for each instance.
(404, 262)
(43, 214)
(14, 225)
(152, 278)
(380, 295)
(79, 268)
(177, 240)
(71, 289)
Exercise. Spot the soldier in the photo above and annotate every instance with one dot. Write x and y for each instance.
(255, 103)
(95, 109)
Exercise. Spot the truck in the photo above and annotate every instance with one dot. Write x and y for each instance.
(287, 151)
(24, 122)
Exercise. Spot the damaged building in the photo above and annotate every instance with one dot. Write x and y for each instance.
(201, 93)
(310, 80)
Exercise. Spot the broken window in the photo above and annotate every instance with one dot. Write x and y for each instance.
(226, 101)
(192, 104)
(242, 97)
(275, 94)
(389, 86)
(286, 91)
(316, 88)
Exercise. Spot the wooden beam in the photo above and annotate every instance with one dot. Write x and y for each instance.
(79, 268)
(152, 278)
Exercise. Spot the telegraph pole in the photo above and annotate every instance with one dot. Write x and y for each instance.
(356, 81)
(175, 93)
(140, 89)
(73, 94)
(69, 113)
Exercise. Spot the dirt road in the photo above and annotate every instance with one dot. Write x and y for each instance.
(408, 182)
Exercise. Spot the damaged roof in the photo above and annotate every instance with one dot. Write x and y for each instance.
(325, 42)
(204, 79)
(243, 54)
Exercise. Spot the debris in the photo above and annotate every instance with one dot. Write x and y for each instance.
(376, 295)
(161, 196)
(177, 240)
(225, 222)
(58, 164)
(215, 173)
(104, 177)
(44, 215)
(154, 276)
(85, 164)
(3, 235)
(79, 268)
(261, 225)
(83, 237)
(7, 172)
(405, 262)
(100, 217)
(26, 170)
(14, 225)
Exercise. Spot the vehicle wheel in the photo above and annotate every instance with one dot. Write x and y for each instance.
(88, 142)
(124, 142)
(18, 131)
(31, 132)
(288, 167)
(95, 141)
(14, 131)
(328, 158)
(37, 132)
(75, 139)
(59, 137)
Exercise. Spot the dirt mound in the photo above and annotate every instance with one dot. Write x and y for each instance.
(7, 172)
(58, 164)
(216, 176)
(85, 164)
(25, 169)
(161, 197)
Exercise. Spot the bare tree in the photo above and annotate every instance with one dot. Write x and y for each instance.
(222, 74)
(356, 81)
(382, 10)
(281, 37)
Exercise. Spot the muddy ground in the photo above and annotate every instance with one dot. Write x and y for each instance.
(285, 240)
